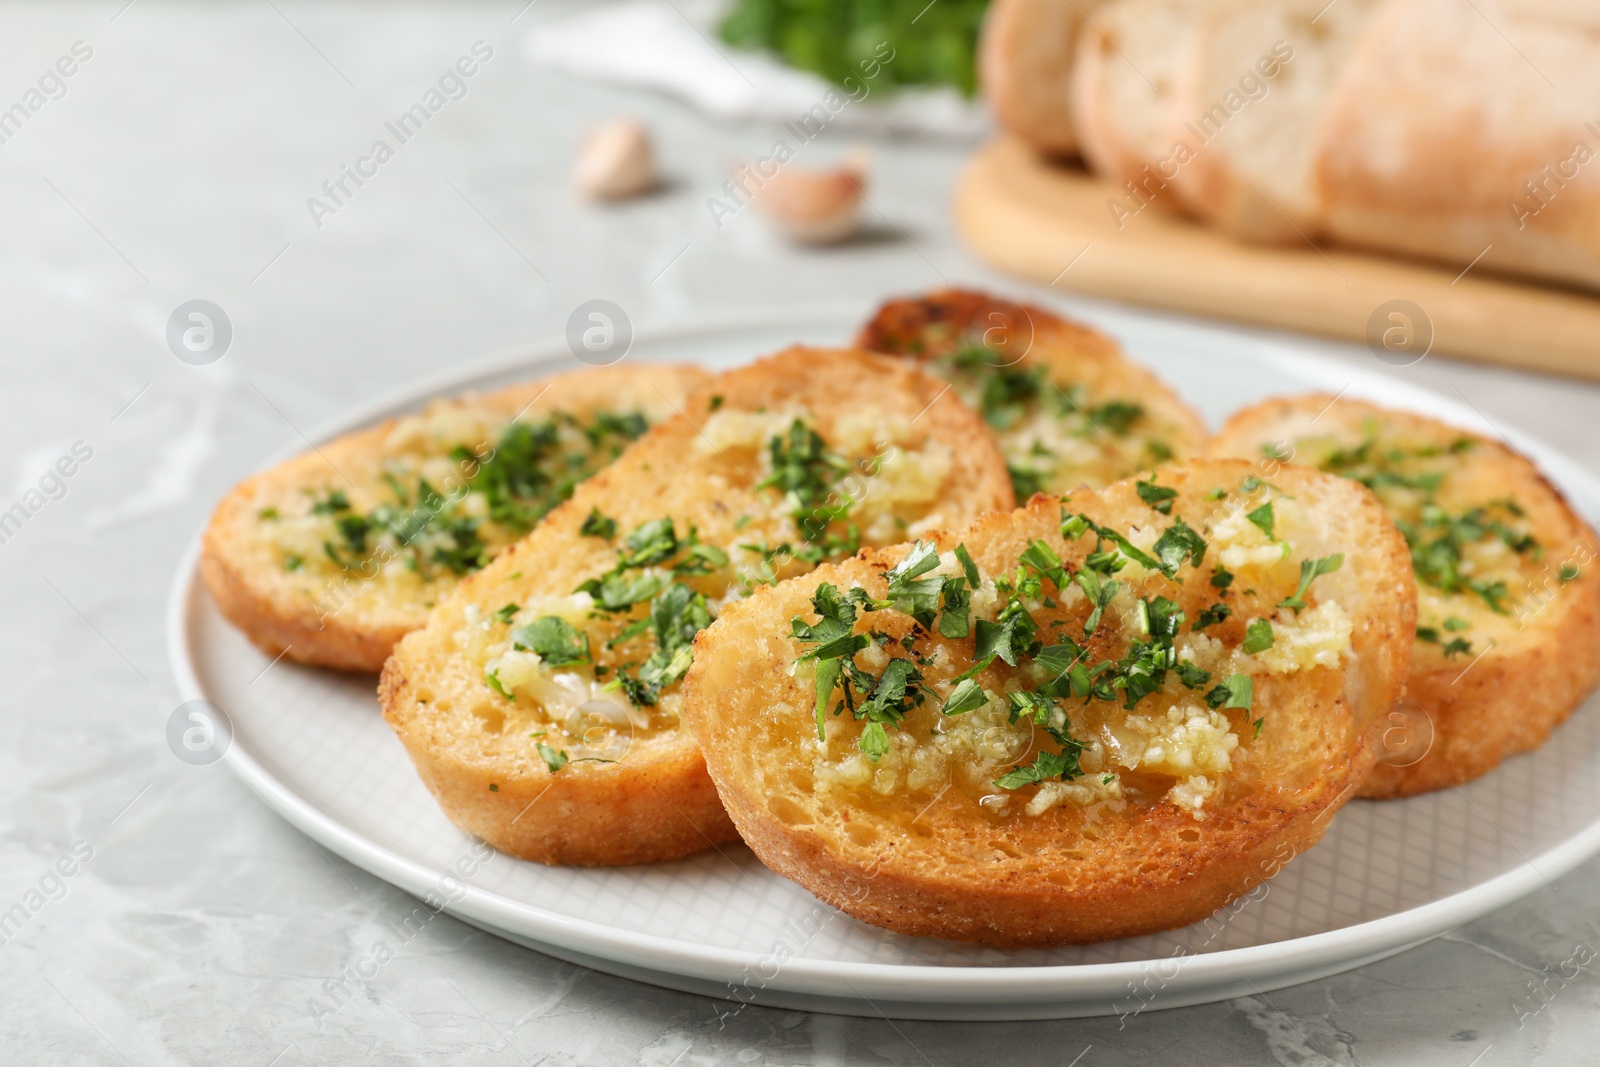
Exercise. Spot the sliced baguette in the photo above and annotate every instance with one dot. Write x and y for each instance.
(926, 841)
(1468, 128)
(1523, 670)
(1025, 55)
(1079, 401)
(1124, 77)
(1254, 83)
(473, 712)
(263, 556)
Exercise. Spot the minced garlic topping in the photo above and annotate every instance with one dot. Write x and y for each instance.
(572, 671)
(1029, 737)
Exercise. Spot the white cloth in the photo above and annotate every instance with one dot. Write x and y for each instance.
(672, 46)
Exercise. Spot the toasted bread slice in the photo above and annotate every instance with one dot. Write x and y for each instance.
(1508, 589)
(541, 705)
(1068, 407)
(1118, 763)
(1253, 86)
(331, 557)
(1124, 78)
(1025, 56)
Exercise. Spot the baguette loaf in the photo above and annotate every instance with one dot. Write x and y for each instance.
(1254, 82)
(1124, 78)
(1467, 128)
(541, 705)
(1508, 622)
(1068, 407)
(1163, 703)
(331, 557)
(1025, 58)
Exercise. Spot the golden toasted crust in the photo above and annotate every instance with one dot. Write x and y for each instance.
(1025, 336)
(472, 747)
(350, 621)
(940, 866)
(654, 803)
(1529, 668)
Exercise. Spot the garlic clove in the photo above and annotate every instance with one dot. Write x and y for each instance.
(616, 161)
(814, 206)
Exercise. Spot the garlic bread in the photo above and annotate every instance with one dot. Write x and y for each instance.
(1100, 715)
(1068, 407)
(331, 557)
(541, 706)
(1508, 590)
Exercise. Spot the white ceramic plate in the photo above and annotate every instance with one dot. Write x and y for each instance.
(1386, 877)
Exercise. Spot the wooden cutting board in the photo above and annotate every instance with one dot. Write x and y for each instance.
(1052, 223)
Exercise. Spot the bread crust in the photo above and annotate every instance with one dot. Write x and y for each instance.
(1445, 139)
(316, 619)
(1025, 57)
(934, 325)
(656, 801)
(1494, 701)
(1102, 123)
(1060, 877)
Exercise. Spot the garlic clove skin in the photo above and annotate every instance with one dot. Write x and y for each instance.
(616, 161)
(811, 206)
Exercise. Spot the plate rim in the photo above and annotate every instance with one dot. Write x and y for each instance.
(974, 984)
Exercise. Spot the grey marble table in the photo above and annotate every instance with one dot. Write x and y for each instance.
(175, 163)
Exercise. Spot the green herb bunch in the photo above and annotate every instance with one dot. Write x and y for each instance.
(933, 44)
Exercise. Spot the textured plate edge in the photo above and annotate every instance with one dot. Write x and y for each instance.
(1029, 992)
(942, 1011)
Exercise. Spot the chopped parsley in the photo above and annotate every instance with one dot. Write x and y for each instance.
(1437, 542)
(1236, 691)
(1257, 637)
(554, 758)
(332, 504)
(1212, 615)
(967, 696)
(1264, 520)
(1043, 712)
(530, 470)
(651, 560)
(1007, 391)
(1158, 497)
(881, 699)
(1436, 537)
(1175, 545)
(805, 471)
(555, 640)
(1118, 416)
(598, 525)
(909, 592)
(1064, 669)
(1100, 591)
(1048, 765)
(1310, 570)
